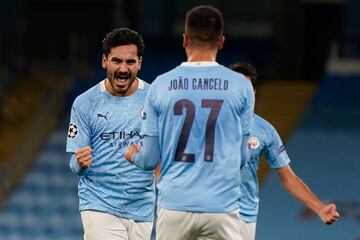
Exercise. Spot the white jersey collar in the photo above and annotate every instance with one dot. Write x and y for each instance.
(141, 84)
(199, 64)
(103, 88)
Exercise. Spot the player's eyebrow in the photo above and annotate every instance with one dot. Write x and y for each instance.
(132, 60)
(116, 59)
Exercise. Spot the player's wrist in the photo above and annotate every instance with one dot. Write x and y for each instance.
(128, 155)
(319, 208)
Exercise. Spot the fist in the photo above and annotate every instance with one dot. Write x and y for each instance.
(84, 157)
(329, 214)
(131, 151)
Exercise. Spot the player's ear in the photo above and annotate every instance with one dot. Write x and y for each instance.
(221, 42)
(103, 61)
(140, 62)
(185, 40)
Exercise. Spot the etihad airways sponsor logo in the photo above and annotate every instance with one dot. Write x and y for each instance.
(108, 136)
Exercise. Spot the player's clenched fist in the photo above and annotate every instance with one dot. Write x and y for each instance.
(131, 151)
(84, 157)
(329, 214)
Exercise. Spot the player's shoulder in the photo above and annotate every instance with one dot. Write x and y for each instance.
(161, 80)
(232, 72)
(166, 75)
(89, 95)
(261, 122)
(235, 75)
(264, 128)
(143, 86)
(238, 80)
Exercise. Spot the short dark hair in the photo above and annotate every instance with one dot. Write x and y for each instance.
(204, 24)
(245, 69)
(123, 36)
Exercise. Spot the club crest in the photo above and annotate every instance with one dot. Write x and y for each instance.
(142, 113)
(253, 142)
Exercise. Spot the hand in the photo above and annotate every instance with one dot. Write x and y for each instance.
(84, 157)
(131, 151)
(329, 214)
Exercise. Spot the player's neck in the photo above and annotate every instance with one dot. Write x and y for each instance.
(200, 54)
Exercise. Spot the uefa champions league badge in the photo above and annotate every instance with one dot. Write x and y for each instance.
(142, 113)
(73, 130)
(253, 142)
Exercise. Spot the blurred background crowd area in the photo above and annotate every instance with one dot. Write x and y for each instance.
(307, 53)
(284, 39)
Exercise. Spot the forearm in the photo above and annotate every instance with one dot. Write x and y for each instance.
(296, 187)
(293, 184)
(148, 157)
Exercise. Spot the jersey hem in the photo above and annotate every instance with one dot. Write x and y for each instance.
(122, 215)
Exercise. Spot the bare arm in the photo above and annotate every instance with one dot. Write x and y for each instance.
(294, 185)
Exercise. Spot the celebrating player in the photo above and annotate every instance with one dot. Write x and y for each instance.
(116, 198)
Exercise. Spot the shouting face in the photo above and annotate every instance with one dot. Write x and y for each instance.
(122, 65)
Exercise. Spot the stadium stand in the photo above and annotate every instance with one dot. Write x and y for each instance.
(29, 113)
(282, 103)
(45, 204)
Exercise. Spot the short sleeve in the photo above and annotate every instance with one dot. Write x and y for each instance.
(274, 151)
(79, 128)
(248, 110)
(150, 123)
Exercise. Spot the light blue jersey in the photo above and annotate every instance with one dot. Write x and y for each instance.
(202, 111)
(110, 124)
(263, 139)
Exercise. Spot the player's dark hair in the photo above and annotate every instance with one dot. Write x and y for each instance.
(123, 36)
(245, 69)
(204, 25)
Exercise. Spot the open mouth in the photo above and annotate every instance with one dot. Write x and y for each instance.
(121, 79)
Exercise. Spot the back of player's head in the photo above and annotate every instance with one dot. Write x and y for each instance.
(245, 69)
(123, 36)
(204, 25)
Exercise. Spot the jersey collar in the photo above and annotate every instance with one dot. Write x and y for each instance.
(199, 64)
(141, 85)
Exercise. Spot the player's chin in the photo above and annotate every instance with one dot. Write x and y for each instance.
(122, 91)
(121, 88)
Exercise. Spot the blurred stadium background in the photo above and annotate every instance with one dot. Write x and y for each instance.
(307, 53)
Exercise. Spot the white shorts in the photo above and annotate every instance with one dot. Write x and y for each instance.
(248, 230)
(180, 225)
(100, 226)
